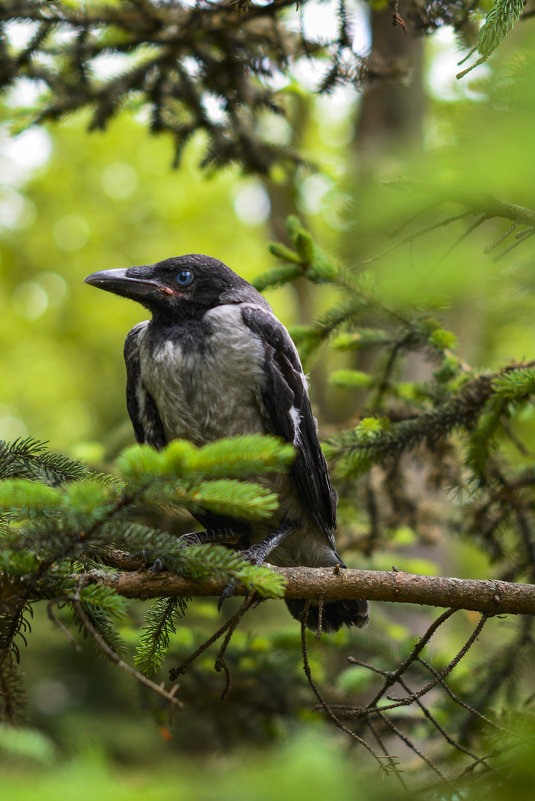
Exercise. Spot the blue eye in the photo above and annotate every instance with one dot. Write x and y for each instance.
(184, 277)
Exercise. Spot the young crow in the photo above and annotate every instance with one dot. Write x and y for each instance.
(214, 362)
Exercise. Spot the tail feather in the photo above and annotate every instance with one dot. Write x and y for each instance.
(334, 614)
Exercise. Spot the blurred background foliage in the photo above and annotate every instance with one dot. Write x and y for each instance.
(71, 203)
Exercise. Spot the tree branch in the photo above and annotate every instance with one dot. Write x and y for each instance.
(494, 597)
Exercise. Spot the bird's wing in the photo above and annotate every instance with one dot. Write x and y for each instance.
(287, 408)
(141, 407)
(146, 420)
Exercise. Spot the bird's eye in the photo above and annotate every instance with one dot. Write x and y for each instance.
(184, 277)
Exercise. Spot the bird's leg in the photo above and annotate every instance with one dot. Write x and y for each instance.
(257, 553)
(225, 535)
(210, 535)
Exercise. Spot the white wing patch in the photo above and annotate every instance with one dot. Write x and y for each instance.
(296, 416)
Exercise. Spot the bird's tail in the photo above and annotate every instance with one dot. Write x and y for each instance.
(333, 615)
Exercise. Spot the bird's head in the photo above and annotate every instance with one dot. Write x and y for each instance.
(177, 286)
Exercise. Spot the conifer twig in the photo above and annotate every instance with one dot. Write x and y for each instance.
(338, 723)
(169, 695)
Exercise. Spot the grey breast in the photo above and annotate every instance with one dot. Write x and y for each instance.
(206, 381)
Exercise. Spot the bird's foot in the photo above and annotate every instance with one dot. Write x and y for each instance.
(211, 535)
(158, 566)
(228, 592)
(190, 539)
(152, 563)
(255, 555)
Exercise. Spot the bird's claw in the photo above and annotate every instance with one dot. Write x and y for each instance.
(158, 566)
(189, 539)
(255, 556)
(228, 592)
(153, 565)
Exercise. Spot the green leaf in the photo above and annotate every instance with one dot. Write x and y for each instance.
(138, 461)
(104, 599)
(277, 277)
(363, 338)
(218, 561)
(321, 269)
(370, 428)
(293, 226)
(305, 246)
(516, 384)
(500, 19)
(28, 496)
(443, 340)
(233, 498)
(282, 252)
(87, 498)
(177, 458)
(30, 458)
(160, 623)
(351, 379)
(236, 456)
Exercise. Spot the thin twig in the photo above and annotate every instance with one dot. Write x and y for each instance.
(169, 695)
(443, 673)
(477, 760)
(410, 744)
(462, 703)
(57, 622)
(220, 663)
(175, 672)
(409, 238)
(392, 761)
(500, 239)
(397, 231)
(520, 238)
(319, 629)
(480, 220)
(324, 704)
(392, 678)
(366, 665)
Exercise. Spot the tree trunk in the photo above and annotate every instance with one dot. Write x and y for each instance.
(391, 112)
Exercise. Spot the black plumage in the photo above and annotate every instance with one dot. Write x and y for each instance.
(213, 362)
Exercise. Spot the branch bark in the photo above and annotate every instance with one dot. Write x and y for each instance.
(495, 597)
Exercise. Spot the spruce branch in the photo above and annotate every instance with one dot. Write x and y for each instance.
(29, 458)
(160, 624)
(489, 596)
(173, 56)
(499, 21)
(113, 656)
(482, 206)
(375, 439)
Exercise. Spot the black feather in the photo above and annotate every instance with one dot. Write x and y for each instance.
(285, 389)
(141, 407)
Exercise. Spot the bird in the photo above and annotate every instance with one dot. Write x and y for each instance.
(214, 362)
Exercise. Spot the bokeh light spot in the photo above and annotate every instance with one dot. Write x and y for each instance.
(252, 204)
(71, 233)
(312, 193)
(30, 300)
(119, 180)
(54, 285)
(11, 425)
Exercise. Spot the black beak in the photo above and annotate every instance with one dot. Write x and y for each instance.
(118, 282)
